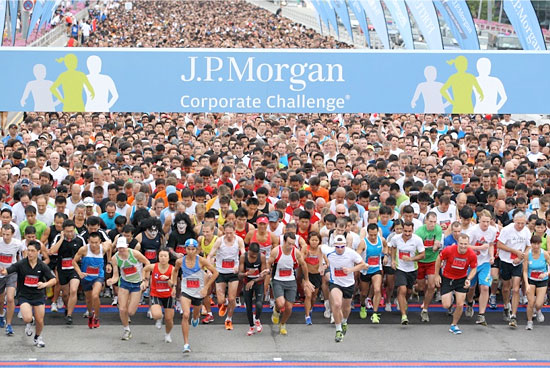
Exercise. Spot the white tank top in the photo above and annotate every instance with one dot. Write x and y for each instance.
(227, 256)
(285, 266)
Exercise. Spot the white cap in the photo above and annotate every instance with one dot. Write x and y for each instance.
(88, 202)
(121, 242)
(340, 239)
(15, 171)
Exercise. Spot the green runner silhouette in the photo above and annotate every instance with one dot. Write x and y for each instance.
(72, 81)
(462, 85)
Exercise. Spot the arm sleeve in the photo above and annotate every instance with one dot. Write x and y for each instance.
(13, 268)
(438, 233)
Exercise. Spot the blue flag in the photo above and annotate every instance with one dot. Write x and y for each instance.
(425, 16)
(320, 13)
(14, 5)
(2, 19)
(374, 11)
(359, 13)
(457, 15)
(37, 12)
(398, 11)
(330, 15)
(342, 10)
(46, 14)
(526, 24)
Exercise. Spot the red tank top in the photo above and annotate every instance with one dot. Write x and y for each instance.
(305, 234)
(242, 233)
(265, 247)
(160, 288)
(311, 259)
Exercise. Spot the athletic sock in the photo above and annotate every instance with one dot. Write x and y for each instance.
(344, 320)
(126, 328)
(338, 326)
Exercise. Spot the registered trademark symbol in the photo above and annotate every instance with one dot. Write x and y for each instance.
(347, 97)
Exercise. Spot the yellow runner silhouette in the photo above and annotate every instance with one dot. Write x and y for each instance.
(72, 82)
(462, 85)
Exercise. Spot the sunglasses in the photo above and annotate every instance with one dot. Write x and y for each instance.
(339, 246)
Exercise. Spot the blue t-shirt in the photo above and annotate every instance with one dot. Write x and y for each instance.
(109, 222)
(449, 240)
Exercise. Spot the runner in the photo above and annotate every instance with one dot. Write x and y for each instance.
(262, 236)
(283, 262)
(316, 264)
(226, 250)
(407, 249)
(33, 277)
(49, 239)
(458, 271)
(206, 242)
(535, 276)
(194, 286)
(92, 275)
(343, 263)
(130, 281)
(162, 291)
(252, 270)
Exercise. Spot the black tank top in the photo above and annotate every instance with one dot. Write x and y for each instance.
(150, 247)
(256, 266)
(51, 237)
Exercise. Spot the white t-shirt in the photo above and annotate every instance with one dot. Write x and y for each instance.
(445, 219)
(46, 217)
(9, 252)
(58, 175)
(407, 248)
(479, 237)
(337, 262)
(518, 240)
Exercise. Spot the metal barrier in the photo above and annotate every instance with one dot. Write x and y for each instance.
(57, 32)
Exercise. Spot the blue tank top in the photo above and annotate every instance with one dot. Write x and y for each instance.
(386, 229)
(536, 267)
(93, 264)
(373, 256)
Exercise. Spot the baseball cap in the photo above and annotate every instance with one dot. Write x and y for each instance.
(88, 202)
(273, 216)
(191, 243)
(170, 189)
(457, 179)
(340, 239)
(15, 171)
(262, 220)
(25, 181)
(121, 242)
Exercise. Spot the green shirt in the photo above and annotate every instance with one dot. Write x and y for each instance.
(428, 237)
(38, 225)
(130, 269)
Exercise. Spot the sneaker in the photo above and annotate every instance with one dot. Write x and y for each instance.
(177, 307)
(282, 329)
(86, 314)
(368, 303)
(19, 315)
(115, 300)
(344, 327)
(540, 316)
(167, 338)
(38, 342)
(60, 304)
(238, 302)
(375, 318)
(9, 330)
(450, 311)
(275, 317)
(437, 296)
(308, 321)
(339, 336)
(91, 322)
(388, 307)
(2, 321)
(513, 322)
(470, 310)
(251, 331)
(96, 322)
(493, 302)
(158, 324)
(455, 330)
(363, 312)
(404, 320)
(186, 348)
(523, 299)
(107, 293)
(208, 319)
(195, 322)
(326, 313)
(149, 314)
(529, 325)
(69, 320)
(53, 307)
(506, 314)
(259, 326)
(28, 328)
(332, 318)
(228, 324)
(396, 302)
(222, 310)
(424, 315)
(127, 335)
(481, 320)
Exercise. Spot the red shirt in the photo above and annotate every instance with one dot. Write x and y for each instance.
(456, 266)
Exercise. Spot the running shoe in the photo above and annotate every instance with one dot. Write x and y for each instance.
(2, 321)
(60, 304)
(90, 322)
(513, 322)
(363, 312)
(69, 320)
(228, 324)
(344, 327)
(208, 319)
(506, 314)
(424, 315)
(186, 348)
(388, 307)
(251, 331)
(149, 314)
(282, 329)
(275, 317)
(368, 303)
(195, 322)
(115, 300)
(167, 338)
(540, 316)
(86, 314)
(493, 302)
(470, 310)
(308, 321)
(481, 320)
(375, 318)
(158, 324)
(529, 325)
(339, 336)
(28, 328)
(326, 313)
(127, 335)
(96, 322)
(259, 326)
(53, 307)
(404, 320)
(38, 342)
(455, 330)
(222, 310)
(9, 330)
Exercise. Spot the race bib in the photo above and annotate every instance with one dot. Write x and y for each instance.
(536, 274)
(228, 263)
(339, 272)
(373, 261)
(193, 283)
(180, 249)
(255, 272)
(162, 286)
(6, 258)
(312, 260)
(150, 254)
(445, 224)
(459, 263)
(513, 256)
(67, 264)
(285, 272)
(130, 270)
(403, 254)
(429, 243)
(31, 281)
(92, 271)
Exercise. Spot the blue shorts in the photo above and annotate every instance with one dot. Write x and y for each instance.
(483, 275)
(132, 287)
(33, 302)
(89, 285)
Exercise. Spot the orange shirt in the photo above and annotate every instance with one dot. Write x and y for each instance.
(321, 192)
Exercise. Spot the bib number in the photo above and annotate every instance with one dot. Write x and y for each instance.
(150, 254)
(373, 261)
(193, 283)
(513, 256)
(31, 281)
(536, 275)
(403, 254)
(130, 270)
(312, 260)
(339, 272)
(228, 263)
(180, 249)
(429, 243)
(459, 263)
(6, 258)
(162, 286)
(67, 264)
(285, 272)
(92, 271)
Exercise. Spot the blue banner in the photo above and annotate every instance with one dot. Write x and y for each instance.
(342, 11)
(425, 16)
(330, 15)
(2, 19)
(319, 13)
(359, 13)
(457, 15)
(400, 16)
(38, 10)
(46, 14)
(374, 11)
(277, 80)
(14, 5)
(526, 24)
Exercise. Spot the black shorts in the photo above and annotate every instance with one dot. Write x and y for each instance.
(388, 270)
(53, 263)
(316, 279)
(538, 284)
(166, 303)
(508, 270)
(32, 302)
(450, 285)
(347, 292)
(368, 277)
(403, 278)
(496, 263)
(194, 301)
(66, 276)
(226, 278)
